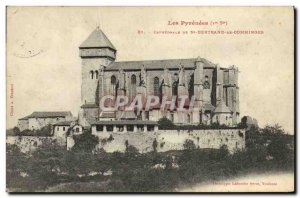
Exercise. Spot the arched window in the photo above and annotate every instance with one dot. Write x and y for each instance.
(113, 83)
(133, 79)
(156, 86)
(92, 74)
(206, 84)
(96, 74)
(175, 88)
(113, 80)
(133, 86)
(191, 86)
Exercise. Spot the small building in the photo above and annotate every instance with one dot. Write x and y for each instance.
(124, 126)
(37, 119)
(60, 131)
(222, 114)
(76, 130)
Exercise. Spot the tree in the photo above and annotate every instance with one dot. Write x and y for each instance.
(278, 149)
(165, 123)
(16, 163)
(189, 145)
(85, 142)
(45, 131)
(223, 151)
(273, 130)
(103, 161)
(132, 150)
(15, 159)
(16, 131)
(154, 145)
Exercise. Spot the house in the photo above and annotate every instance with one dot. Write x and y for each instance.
(39, 119)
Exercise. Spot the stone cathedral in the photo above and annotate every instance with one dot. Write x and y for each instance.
(214, 88)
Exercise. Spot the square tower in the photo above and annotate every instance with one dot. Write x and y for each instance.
(96, 53)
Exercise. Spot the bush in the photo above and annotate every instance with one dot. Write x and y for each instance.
(189, 145)
(16, 131)
(130, 149)
(85, 142)
(278, 149)
(27, 132)
(45, 131)
(165, 123)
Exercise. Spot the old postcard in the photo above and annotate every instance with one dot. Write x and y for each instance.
(150, 99)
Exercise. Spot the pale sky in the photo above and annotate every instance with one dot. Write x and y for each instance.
(44, 66)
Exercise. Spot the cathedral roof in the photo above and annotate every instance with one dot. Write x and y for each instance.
(97, 39)
(208, 107)
(222, 108)
(158, 64)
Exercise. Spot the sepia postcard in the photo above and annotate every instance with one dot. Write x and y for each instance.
(150, 99)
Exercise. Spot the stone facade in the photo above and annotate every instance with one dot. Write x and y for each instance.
(213, 87)
(37, 120)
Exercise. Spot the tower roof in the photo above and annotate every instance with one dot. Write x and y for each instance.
(97, 39)
(222, 108)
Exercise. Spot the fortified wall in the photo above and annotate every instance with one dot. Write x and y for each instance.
(167, 140)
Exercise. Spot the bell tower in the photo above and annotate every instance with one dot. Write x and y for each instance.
(96, 53)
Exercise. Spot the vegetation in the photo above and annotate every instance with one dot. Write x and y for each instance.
(189, 145)
(43, 132)
(166, 124)
(85, 142)
(53, 168)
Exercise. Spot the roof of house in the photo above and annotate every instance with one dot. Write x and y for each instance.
(208, 107)
(65, 123)
(89, 106)
(47, 114)
(97, 39)
(107, 115)
(158, 64)
(125, 122)
(127, 115)
(222, 108)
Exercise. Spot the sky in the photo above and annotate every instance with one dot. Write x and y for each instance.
(44, 67)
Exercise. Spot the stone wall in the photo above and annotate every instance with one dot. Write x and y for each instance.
(167, 140)
(28, 144)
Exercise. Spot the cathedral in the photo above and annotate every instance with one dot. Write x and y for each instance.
(212, 89)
